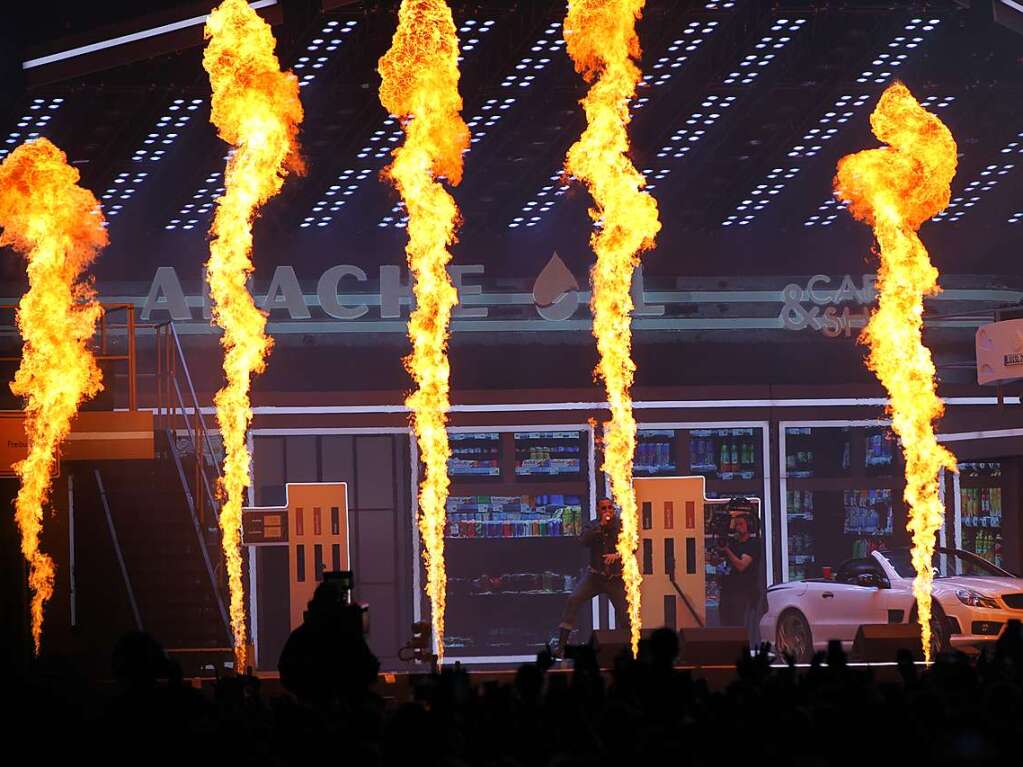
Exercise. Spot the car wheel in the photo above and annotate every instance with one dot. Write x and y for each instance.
(793, 636)
(940, 631)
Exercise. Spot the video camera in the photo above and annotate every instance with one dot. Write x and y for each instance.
(342, 583)
(722, 522)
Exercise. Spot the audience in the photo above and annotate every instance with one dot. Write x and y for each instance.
(960, 711)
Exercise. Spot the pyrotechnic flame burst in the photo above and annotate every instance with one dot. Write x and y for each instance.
(58, 226)
(895, 189)
(256, 109)
(419, 83)
(602, 41)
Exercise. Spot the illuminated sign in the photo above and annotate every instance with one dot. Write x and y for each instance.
(350, 299)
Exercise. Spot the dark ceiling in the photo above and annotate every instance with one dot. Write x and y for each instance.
(745, 109)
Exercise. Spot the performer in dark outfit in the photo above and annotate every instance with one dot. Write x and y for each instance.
(604, 575)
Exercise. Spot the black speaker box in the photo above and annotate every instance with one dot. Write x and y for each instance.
(881, 642)
(610, 643)
(719, 646)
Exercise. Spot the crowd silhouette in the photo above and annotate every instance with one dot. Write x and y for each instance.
(960, 711)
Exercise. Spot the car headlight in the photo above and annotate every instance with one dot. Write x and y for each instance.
(971, 598)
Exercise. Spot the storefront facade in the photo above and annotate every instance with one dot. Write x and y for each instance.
(826, 468)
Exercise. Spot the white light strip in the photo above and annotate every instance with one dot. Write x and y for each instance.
(131, 38)
(994, 434)
(538, 407)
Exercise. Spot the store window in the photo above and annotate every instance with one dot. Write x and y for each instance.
(980, 510)
(518, 502)
(726, 454)
(842, 500)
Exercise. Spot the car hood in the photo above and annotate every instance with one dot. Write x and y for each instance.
(986, 585)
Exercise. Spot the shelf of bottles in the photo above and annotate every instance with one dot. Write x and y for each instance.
(655, 453)
(511, 517)
(842, 494)
(880, 443)
(548, 454)
(799, 510)
(725, 453)
(548, 582)
(475, 454)
(814, 452)
(980, 500)
(868, 517)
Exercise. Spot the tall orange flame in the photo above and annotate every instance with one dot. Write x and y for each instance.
(256, 109)
(419, 82)
(602, 41)
(58, 226)
(895, 189)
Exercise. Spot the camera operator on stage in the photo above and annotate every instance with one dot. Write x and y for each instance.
(604, 575)
(738, 552)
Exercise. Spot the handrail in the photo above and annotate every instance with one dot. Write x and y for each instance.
(195, 399)
(131, 357)
(200, 535)
(192, 432)
(174, 401)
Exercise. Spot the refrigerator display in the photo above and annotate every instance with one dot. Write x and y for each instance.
(515, 584)
(548, 453)
(817, 452)
(799, 511)
(980, 509)
(867, 512)
(475, 454)
(526, 516)
(655, 453)
(879, 450)
(724, 453)
(512, 561)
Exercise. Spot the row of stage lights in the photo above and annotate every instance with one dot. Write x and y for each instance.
(828, 211)
(154, 147)
(168, 128)
(523, 75)
(830, 124)
(307, 68)
(380, 144)
(693, 36)
(32, 124)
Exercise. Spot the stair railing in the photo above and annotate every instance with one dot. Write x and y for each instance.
(179, 414)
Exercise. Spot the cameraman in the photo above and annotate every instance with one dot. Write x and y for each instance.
(739, 551)
(604, 575)
(326, 659)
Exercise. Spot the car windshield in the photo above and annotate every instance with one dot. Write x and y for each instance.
(947, 562)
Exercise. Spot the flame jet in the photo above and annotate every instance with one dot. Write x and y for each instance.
(895, 189)
(256, 109)
(602, 41)
(419, 83)
(58, 226)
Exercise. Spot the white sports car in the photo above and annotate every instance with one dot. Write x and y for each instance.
(973, 600)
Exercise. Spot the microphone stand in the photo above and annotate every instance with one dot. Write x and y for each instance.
(685, 599)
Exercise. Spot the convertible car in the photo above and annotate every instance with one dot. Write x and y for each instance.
(973, 600)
